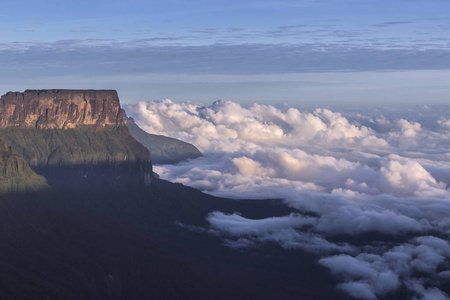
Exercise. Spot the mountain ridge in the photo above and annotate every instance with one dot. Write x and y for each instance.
(164, 150)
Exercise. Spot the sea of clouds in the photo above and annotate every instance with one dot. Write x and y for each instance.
(370, 186)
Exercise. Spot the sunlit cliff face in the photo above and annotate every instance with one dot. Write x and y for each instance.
(383, 172)
(60, 109)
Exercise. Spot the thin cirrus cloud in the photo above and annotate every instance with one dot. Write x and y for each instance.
(139, 56)
(384, 24)
(25, 30)
(348, 174)
(114, 60)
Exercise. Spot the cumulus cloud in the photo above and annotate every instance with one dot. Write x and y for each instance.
(410, 179)
(319, 147)
(371, 173)
(369, 275)
(258, 125)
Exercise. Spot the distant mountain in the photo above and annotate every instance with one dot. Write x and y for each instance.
(164, 150)
(74, 137)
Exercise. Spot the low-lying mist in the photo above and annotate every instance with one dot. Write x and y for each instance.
(370, 186)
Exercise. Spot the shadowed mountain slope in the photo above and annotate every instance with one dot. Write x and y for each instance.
(164, 150)
(116, 243)
(15, 174)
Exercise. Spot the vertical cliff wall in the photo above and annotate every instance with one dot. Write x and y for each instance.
(73, 137)
(60, 109)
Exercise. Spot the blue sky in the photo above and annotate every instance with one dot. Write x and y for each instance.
(252, 51)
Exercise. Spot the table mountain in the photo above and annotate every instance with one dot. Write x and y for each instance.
(74, 137)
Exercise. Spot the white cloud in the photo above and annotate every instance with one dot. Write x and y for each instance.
(369, 275)
(363, 174)
(287, 231)
(444, 123)
(354, 220)
(409, 178)
(365, 279)
(258, 125)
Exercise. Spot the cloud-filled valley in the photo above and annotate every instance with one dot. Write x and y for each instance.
(369, 186)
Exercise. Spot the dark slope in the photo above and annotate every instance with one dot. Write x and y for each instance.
(56, 246)
(124, 244)
(15, 174)
(164, 150)
(81, 157)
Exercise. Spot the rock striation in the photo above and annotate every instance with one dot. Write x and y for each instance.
(60, 109)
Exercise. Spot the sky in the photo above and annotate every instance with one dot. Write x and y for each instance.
(321, 52)
(369, 185)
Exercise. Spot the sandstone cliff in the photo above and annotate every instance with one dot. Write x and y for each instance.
(74, 137)
(60, 109)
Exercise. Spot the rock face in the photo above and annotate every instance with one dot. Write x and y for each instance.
(60, 109)
(74, 137)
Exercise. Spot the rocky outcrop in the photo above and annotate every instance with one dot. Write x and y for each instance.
(165, 150)
(60, 109)
(74, 137)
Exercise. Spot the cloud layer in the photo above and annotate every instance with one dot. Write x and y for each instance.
(361, 174)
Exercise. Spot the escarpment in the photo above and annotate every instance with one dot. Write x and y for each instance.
(74, 137)
(60, 109)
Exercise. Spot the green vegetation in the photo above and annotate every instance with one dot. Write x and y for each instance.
(15, 174)
(58, 147)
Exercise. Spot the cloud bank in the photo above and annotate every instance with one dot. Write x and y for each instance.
(380, 177)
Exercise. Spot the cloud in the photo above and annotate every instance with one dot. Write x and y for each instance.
(354, 220)
(410, 178)
(161, 54)
(385, 24)
(369, 187)
(25, 30)
(283, 230)
(238, 225)
(82, 30)
(369, 275)
(372, 278)
(235, 29)
(260, 124)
